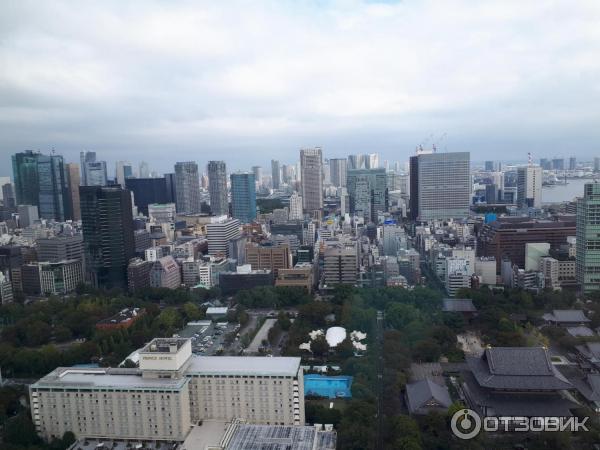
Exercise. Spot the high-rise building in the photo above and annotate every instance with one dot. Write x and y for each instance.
(171, 187)
(144, 171)
(529, 186)
(338, 168)
(147, 191)
(73, 182)
(356, 162)
(296, 207)
(545, 164)
(572, 163)
(440, 185)
(367, 192)
(28, 215)
(558, 164)
(311, 163)
(8, 196)
(587, 265)
(218, 235)
(268, 256)
(217, 188)
(164, 213)
(596, 164)
(489, 166)
(187, 187)
(372, 161)
(165, 273)
(257, 171)
(41, 180)
(107, 223)
(123, 170)
(340, 263)
(243, 197)
(275, 174)
(93, 173)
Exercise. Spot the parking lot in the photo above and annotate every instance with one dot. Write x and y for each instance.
(208, 337)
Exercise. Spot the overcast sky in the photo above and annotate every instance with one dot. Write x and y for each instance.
(248, 81)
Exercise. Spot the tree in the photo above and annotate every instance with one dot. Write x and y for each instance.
(319, 347)
(192, 312)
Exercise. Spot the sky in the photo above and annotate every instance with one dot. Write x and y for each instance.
(250, 81)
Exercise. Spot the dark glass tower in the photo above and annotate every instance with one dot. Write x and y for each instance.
(107, 223)
(147, 191)
(26, 177)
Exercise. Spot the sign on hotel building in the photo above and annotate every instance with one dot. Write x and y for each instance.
(171, 390)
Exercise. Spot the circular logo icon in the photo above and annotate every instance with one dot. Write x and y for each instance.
(465, 424)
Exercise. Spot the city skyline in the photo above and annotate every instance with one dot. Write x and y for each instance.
(137, 83)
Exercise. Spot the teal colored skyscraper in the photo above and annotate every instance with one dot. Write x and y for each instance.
(243, 197)
(41, 180)
(587, 264)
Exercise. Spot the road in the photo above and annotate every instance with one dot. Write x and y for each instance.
(380, 417)
(262, 334)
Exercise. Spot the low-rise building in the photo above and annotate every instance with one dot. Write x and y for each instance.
(121, 320)
(61, 277)
(301, 275)
(165, 273)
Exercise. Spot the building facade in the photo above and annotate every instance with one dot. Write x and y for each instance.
(588, 244)
(529, 186)
(187, 189)
(311, 163)
(243, 197)
(217, 188)
(219, 234)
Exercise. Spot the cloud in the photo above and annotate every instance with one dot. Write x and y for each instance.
(248, 81)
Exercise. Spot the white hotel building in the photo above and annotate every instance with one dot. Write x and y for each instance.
(171, 390)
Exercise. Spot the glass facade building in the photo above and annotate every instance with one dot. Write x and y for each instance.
(587, 265)
(243, 197)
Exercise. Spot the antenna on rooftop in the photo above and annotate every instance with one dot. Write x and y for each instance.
(529, 159)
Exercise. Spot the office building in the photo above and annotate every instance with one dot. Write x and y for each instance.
(218, 235)
(61, 277)
(187, 187)
(144, 171)
(217, 188)
(28, 215)
(73, 182)
(268, 256)
(301, 275)
(489, 166)
(340, 263)
(558, 164)
(572, 163)
(41, 180)
(588, 245)
(244, 278)
(338, 168)
(529, 187)
(257, 171)
(356, 162)
(275, 174)
(507, 237)
(440, 186)
(6, 291)
(367, 192)
(147, 191)
(171, 185)
(123, 170)
(171, 390)
(93, 172)
(165, 273)
(295, 207)
(545, 164)
(596, 164)
(138, 274)
(107, 224)
(243, 197)
(311, 163)
(60, 248)
(8, 196)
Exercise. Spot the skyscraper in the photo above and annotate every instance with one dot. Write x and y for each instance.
(123, 171)
(275, 174)
(356, 162)
(8, 196)
(558, 164)
(372, 161)
(187, 187)
(338, 168)
(596, 164)
(572, 163)
(311, 164)
(529, 186)
(489, 166)
(73, 182)
(440, 185)
(107, 224)
(367, 192)
(217, 188)
(218, 235)
(257, 171)
(41, 180)
(144, 170)
(243, 197)
(25, 174)
(587, 264)
(171, 185)
(93, 173)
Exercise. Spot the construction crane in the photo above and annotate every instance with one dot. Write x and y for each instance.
(436, 143)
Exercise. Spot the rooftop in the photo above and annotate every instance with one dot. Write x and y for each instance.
(421, 392)
(458, 305)
(566, 315)
(65, 377)
(244, 365)
(164, 345)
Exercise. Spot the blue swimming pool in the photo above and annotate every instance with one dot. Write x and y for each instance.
(330, 387)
